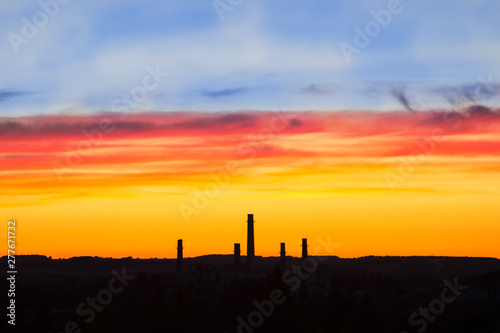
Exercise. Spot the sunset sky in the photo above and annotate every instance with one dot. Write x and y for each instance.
(127, 125)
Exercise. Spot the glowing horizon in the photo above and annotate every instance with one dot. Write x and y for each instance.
(377, 183)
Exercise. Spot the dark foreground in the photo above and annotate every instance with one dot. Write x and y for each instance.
(211, 294)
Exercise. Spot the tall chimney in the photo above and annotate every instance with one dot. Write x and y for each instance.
(304, 282)
(237, 258)
(179, 256)
(282, 257)
(304, 248)
(250, 245)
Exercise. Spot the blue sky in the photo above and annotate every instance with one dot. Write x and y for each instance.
(264, 55)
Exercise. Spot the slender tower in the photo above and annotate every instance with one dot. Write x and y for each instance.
(304, 248)
(250, 245)
(304, 282)
(237, 258)
(282, 257)
(179, 256)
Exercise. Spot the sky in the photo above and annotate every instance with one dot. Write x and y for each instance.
(254, 55)
(126, 125)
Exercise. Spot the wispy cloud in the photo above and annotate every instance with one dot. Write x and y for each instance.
(468, 93)
(7, 94)
(249, 61)
(225, 92)
(174, 150)
(320, 89)
(399, 93)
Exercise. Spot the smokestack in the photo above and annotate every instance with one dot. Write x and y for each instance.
(304, 248)
(237, 258)
(304, 282)
(179, 256)
(282, 257)
(250, 245)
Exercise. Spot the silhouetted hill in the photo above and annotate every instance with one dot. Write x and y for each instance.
(413, 268)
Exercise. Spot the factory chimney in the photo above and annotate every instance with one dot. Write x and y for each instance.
(304, 248)
(250, 245)
(179, 256)
(282, 257)
(304, 282)
(237, 258)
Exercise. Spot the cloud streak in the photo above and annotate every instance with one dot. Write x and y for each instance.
(225, 92)
(9, 94)
(400, 94)
(179, 151)
(320, 89)
(197, 138)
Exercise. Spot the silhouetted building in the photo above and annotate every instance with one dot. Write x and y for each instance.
(250, 245)
(179, 256)
(305, 281)
(304, 248)
(237, 258)
(282, 257)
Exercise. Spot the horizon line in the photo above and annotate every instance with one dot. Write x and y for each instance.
(257, 256)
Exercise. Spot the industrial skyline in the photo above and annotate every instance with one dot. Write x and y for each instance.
(250, 255)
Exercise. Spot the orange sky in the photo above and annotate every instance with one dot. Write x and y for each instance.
(375, 183)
